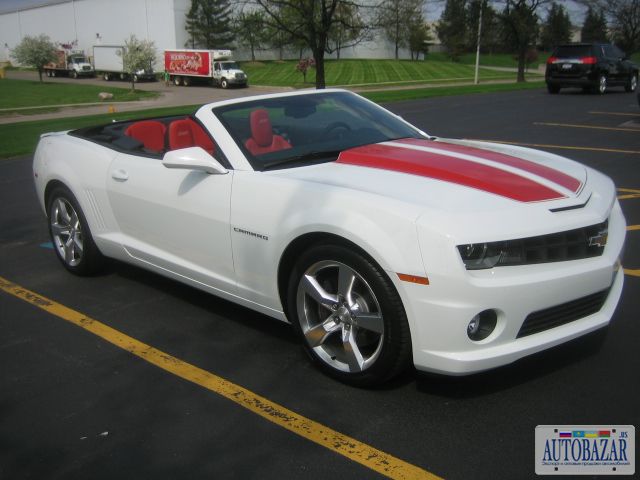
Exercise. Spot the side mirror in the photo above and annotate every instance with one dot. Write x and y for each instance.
(193, 158)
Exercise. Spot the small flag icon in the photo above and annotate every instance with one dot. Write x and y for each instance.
(591, 434)
(565, 434)
(578, 434)
(604, 433)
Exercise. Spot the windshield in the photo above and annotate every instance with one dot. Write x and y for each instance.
(229, 66)
(78, 60)
(306, 129)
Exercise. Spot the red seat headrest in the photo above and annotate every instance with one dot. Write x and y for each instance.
(149, 132)
(261, 128)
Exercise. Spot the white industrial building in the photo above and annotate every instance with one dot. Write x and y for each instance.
(110, 22)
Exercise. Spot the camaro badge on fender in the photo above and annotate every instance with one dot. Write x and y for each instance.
(251, 234)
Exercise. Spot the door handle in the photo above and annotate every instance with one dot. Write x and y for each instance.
(120, 175)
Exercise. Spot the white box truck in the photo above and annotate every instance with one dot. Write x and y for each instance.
(215, 66)
(108, 63)
(71, 63)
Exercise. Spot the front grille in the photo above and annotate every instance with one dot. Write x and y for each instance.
(562, 314)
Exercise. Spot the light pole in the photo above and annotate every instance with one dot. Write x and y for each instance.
(476, 80)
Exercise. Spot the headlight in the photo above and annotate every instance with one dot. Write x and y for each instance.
(586, 242)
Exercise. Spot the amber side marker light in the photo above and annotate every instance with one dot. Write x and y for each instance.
(413, 279)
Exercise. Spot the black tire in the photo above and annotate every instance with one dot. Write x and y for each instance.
(177, 81)
(383, 347)
(224, 83)
(632, 83)
(135, 79)
(81, 255)
(186, 81)
(74, 74)
(553, 89)
(106, 77)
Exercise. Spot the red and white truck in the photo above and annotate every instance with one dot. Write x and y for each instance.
(71, 63)
(215, 66)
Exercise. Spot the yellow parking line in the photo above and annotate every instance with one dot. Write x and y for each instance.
(591, 127)
(633, 227)
(616, 113)
(333, 440)
(561, 147)
(633, 273)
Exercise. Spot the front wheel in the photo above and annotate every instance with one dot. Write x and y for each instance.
(632, 83)
(70, 235)
(349, 316)
(106, 77)
(224, 83)
(74, 74)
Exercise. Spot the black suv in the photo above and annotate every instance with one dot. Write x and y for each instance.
(592, 66)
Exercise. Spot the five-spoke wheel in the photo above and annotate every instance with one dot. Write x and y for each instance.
(70, 234)
(349, 315)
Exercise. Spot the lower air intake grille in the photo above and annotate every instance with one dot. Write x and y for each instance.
(561, 314)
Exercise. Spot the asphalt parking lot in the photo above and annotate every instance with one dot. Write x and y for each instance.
(74, 405)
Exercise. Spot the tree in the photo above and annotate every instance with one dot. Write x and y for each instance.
(348, 28)
(250, 30)
(520, 23)
(489, 39)
(138, 55)
(209, 23)
(452, 28)
(394, 16)
(624, 21)
(309, 21)
(594, 28)
(557, 28)
(418, 37)
(35, 52)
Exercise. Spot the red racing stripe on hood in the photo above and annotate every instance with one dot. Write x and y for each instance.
(449, 169)
(543, 171)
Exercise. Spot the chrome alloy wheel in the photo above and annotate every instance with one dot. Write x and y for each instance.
(340, 316)
(66, 231)
(602, 84)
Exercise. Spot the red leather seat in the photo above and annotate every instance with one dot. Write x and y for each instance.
(262, 138)
(187, 133)
(149, 132)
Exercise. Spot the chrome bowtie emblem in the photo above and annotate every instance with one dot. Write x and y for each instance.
(599, 240)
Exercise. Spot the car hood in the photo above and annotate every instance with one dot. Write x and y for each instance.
(468, 182)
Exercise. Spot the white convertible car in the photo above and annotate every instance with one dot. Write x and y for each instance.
(381, 245)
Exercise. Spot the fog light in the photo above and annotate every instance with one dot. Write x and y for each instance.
(481, 326)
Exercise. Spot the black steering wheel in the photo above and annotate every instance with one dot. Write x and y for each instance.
(336, 129)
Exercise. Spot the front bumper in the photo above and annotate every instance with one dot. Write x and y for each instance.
(439, 313)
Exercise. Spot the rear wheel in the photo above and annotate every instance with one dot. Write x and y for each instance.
(70, 234)
(177, 81)
(349, 316)
(106, 77)
(186, 81)
(552, 88)
(135, 78)
(601, 86)
(632, 83)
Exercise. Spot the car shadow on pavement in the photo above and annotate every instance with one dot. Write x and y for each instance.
(522, 371)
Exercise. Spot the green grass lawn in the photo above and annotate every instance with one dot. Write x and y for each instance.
(508, 60)
(363, 72)
(25, 93)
